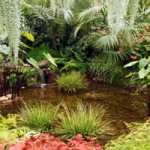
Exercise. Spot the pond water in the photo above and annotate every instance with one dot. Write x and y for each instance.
(122, 105)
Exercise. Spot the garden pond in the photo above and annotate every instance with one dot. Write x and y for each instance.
(122, 105)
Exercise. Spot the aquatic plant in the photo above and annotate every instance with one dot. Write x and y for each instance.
(87, 120)
(71, 82)
(38, 116)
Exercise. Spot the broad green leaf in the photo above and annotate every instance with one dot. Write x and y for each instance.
(131, 64)
(28, 35)
(143, 62)
(50, 59)
(143, 73)
(33, 62)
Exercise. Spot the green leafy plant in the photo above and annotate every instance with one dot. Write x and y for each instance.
(8, 122)
(71, 82)
(137, 139)
(87, 120)
(141, 73)
(38, 52)
(10, 129)
(38, 116)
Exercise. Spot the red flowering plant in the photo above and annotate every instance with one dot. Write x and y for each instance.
(141, 48)
(47, 142)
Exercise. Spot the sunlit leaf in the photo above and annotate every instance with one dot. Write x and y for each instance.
(28, 35)
(143, 73)
(143, 62)
(24, 45)
(131, 64)
(33, 62)
(50, 59)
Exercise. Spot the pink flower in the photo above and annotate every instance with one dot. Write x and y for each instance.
(137, 49)
(133, 57)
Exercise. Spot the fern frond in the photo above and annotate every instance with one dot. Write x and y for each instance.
(106, 42)
(89, 12)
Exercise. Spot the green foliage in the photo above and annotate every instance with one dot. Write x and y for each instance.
(86, 120)
(140, 75)
(18, 132)
(9, 121)
(9, 128)
(28, 36)
(71, 82)
(38, 53)
(106, 69)
(38, 116)
(137, 139)
(30, 77)
(33, 62)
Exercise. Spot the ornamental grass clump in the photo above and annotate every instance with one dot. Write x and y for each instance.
(71, 82)
(38, 116)
(87, 120)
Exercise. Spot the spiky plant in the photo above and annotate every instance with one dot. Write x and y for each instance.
(38, 116)
(71, 82)
(87, 120)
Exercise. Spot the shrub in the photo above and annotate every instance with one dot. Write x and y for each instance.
(9, 128)
(39, 116)
(86, 120)
(137, 139)
(71, 82)
(45, 141)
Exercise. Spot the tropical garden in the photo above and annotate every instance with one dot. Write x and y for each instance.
(74, 74)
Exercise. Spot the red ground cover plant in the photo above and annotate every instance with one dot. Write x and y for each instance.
(47, 142)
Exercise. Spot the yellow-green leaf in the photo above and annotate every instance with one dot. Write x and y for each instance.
(28, 35)
(24, 45)
(1, 57)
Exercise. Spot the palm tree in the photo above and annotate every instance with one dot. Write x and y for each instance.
(112, 26)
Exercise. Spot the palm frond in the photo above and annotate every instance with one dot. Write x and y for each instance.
(114, 57)
(91, 11)
(106, 42)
